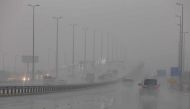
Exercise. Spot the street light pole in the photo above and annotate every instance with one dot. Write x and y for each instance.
(73, 54)
(184, 33)
(108, 47)
(48, 60)
(116, 50)
(179, 56)
(94, 46)
(112, 46)
(3, 62)
(15, 70)
(33, 64)
(101, 45)
(85, 31)
(57, 43)
(181, 46)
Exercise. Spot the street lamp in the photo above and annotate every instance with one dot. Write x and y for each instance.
(56, 55)
(33, 7)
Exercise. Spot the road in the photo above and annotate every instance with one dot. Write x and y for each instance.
(122, 95)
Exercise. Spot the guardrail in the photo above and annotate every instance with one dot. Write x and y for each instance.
(6, 91)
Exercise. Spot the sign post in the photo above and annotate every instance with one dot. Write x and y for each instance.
(29, 59)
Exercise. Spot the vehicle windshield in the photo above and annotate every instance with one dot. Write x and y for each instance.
(150, 82)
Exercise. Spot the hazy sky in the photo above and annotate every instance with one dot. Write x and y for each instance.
(146, 29)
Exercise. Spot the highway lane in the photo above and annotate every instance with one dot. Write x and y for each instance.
(118, 96)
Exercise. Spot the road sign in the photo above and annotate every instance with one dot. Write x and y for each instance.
(175, 71)
(29, 59)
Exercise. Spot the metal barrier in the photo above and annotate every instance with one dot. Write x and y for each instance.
(32, 90)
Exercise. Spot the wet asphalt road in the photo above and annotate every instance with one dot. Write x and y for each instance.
(122, 95)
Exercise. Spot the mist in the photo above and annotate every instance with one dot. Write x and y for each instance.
(141, 30)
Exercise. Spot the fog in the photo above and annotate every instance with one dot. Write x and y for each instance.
(139, 31)
(132, 38)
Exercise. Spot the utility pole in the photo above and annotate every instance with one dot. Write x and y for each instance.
(57, 43)
(33, 63)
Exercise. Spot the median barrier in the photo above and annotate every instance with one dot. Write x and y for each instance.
(6, 91)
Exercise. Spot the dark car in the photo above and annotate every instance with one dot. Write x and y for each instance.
(149, 86)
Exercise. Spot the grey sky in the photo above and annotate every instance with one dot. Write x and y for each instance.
(146, 28)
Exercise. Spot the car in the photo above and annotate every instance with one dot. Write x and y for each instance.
(149, 86)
